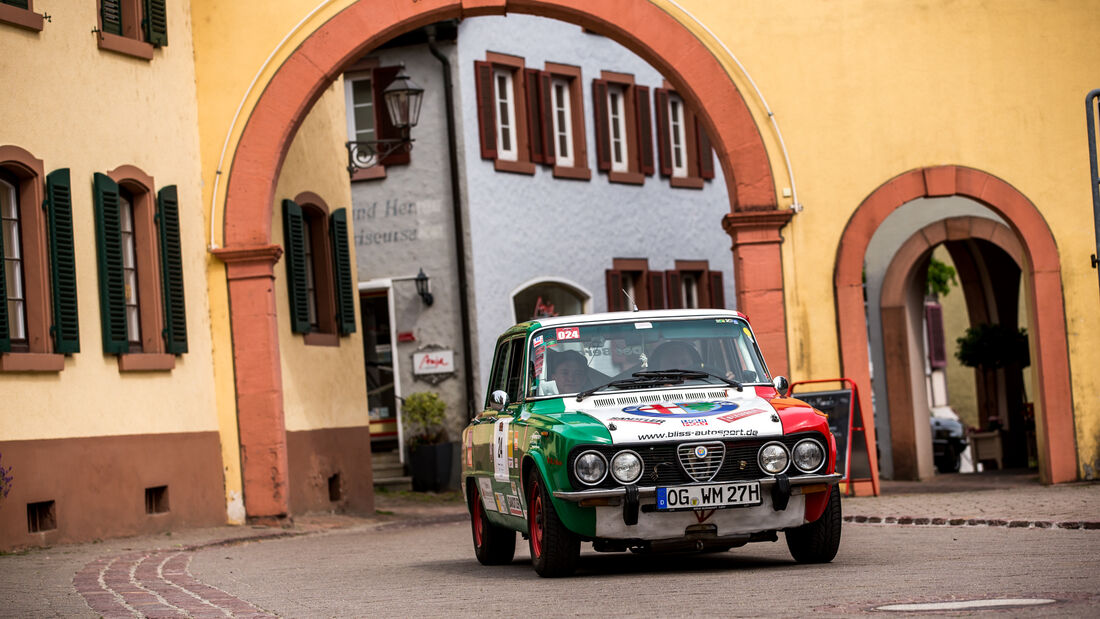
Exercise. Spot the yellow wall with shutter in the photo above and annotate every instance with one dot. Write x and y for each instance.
(76, 106)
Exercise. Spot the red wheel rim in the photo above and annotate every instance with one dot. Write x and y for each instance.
(476, 517)
(536, 520)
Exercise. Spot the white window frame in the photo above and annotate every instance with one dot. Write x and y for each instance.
(677, 136)
(689, 287)
(15, 295)
(350, 105)
(504, 107)
(562, 103)
(616, 123)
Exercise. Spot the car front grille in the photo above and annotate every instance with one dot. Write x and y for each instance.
(665, 464)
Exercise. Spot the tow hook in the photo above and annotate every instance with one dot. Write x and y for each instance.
(781, 492)
(630, 505)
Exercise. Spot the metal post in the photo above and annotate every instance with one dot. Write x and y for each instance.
(1090, 115)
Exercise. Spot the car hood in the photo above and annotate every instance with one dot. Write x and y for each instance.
(695, 414)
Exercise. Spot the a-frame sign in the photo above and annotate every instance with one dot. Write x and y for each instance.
(854, 444)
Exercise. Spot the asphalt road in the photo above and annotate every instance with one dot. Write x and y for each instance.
(431, 571)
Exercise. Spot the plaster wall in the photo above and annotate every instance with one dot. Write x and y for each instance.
(90, 110)
(533, 227)
(323, 386)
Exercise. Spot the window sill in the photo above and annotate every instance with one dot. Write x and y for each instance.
(146, 362)
(321, 339)
(582, 174)
(516, 167)
(31, 362)
(629, 178)
(369, 174)
(22, 18)
(686, 182)
(125, 46)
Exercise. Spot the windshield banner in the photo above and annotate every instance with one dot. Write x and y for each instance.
(738, 414)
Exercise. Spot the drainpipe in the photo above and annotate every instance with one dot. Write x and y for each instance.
(456, 212)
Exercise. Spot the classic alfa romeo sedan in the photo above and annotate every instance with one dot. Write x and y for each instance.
(647, 431)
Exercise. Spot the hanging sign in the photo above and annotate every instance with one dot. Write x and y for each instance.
(434, 362)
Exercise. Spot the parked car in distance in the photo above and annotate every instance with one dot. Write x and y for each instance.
(948, 442)
(646, 431)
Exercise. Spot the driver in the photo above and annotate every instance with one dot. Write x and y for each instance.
(570, 372)
(676, 356)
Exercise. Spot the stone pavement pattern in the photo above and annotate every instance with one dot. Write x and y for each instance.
(141, 577)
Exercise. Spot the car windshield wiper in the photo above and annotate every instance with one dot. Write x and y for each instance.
(686, 375)
(638, 381)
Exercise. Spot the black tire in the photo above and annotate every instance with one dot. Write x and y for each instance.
(951, 460)
(554, 548)
(493, 545)
(818, 541)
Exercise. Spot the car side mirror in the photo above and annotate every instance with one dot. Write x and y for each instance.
(781, 385)
(498, 400)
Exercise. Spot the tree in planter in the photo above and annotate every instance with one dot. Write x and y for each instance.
(989, 347)
(429, 450)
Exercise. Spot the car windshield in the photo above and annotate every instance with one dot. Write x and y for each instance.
(569, 359)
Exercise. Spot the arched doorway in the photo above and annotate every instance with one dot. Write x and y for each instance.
(250, 254)
(1040, 261)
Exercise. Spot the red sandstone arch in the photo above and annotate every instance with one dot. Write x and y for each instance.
(250, 254)
(1031, 238)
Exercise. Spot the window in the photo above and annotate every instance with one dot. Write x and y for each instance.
(141, 291)
(683, 148)
(368, 119)
(318, 264)
(133, 27)
(508, 111)
(633, 277)
(38, 312)
(20, 13)
(693, 285)
(624, 139)
(507, 371)
(562, 116)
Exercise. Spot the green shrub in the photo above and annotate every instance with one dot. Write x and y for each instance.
(423, 414)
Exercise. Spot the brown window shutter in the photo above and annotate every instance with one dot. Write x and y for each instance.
(380, 78)
(603, 125)
(546, 121)
(702, 143)
(703, 292)
(616, 302)
(535, 132)
(675, 293)
(486, 114)
(656, 289)
(937, 354)
(717, 290)
(645, 130)
(664, 148)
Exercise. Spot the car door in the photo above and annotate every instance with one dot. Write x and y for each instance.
(494, 429)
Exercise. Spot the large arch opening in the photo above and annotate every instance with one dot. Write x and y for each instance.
(250, 254)
(1026, 237)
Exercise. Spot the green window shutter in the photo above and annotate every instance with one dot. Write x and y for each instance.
(112, 287)
(110, 16)
(341, 262)
(5, 332)
(171, 271)
(59, 220)
(294, 240)
(156, 22)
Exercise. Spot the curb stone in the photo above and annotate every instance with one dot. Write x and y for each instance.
(973, 522)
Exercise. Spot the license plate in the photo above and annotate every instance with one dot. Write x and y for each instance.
(711, 496)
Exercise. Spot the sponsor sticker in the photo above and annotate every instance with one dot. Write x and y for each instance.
(722, 321)
(682, 409)
(693, 422)
(487, 493)
(569, 333)
(654, 422)
(734, 416)
(748, 333)
(469, 448)
(514, 507)
(502, 449)
(502, 506)
(537, 341)
(643, 325)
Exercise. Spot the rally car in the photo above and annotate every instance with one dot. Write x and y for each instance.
(646, 431)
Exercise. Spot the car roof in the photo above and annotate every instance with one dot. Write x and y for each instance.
(639, 315)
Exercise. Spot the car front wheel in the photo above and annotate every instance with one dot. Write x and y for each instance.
(818, 541)
(493, 545)
(554, 548)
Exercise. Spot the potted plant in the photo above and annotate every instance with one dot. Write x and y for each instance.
(430, 452)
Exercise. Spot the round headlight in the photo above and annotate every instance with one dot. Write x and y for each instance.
(626, 467)
(590, 467)
(808, 455)
(774, 458)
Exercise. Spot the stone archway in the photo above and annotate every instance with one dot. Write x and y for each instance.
(904, 369)
(250, 254)
(1057, 447)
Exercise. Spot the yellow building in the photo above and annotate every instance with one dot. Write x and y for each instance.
(826, 118)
